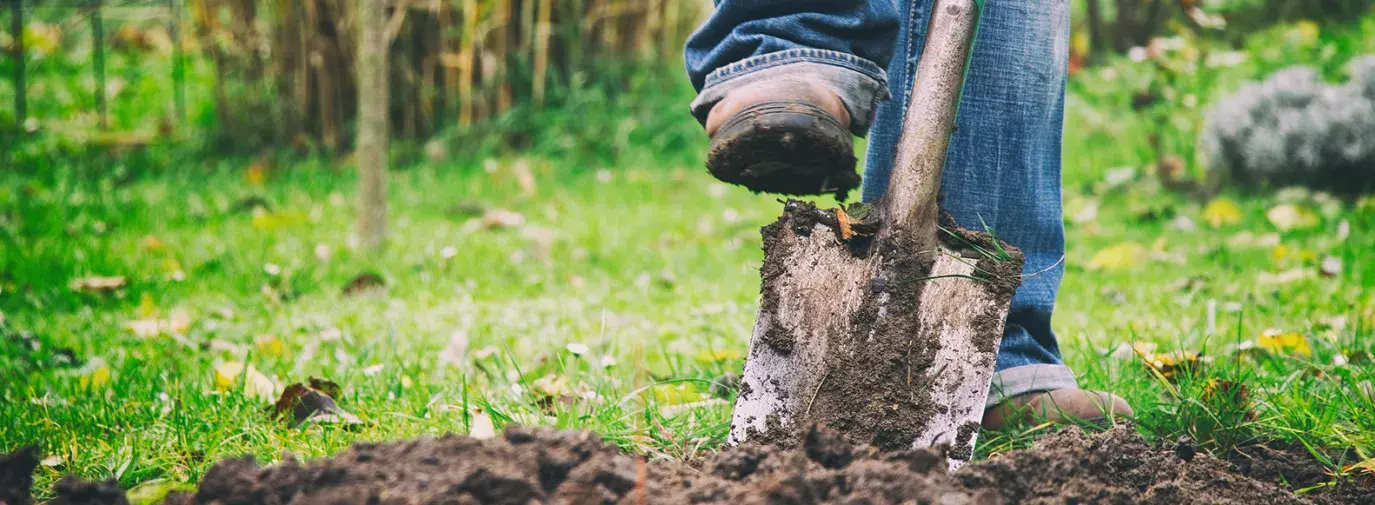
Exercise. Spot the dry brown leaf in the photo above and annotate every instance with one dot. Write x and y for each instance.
(99, 285)
(314, 403)
(364, 283)
(1171, 364)
(1331, 266)
(844, 220)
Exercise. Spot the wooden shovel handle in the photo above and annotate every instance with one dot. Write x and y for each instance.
(909, 205)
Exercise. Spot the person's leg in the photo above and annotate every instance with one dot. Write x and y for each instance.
(1003, 168)
(784, 83)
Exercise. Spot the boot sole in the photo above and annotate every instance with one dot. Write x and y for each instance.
(789, 148)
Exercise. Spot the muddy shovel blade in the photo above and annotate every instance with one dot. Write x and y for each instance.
(891, 338)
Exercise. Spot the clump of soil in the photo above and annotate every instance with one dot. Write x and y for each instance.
(545, 466)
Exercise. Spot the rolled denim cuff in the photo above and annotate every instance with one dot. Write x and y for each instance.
(860, 84)
(1020, 380)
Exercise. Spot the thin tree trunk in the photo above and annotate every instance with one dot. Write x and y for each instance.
(1095, 14)
(21, 106)
(178, 62)
(98, 39)
(466, 57)
(372, 124)
(542, 33)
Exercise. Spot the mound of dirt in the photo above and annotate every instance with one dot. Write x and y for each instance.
(544, 466)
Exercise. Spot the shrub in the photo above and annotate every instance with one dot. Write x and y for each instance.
(1295, 129)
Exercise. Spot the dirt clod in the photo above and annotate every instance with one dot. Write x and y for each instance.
(16, 475)
(545, 466)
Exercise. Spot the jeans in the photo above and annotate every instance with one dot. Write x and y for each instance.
(1003, 167)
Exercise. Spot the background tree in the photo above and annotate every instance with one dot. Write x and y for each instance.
(372, 124)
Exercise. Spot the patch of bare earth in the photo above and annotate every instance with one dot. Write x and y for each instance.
(544, 466)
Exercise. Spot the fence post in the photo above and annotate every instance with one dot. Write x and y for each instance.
(21, 106)
(178, 62)
(98, 37)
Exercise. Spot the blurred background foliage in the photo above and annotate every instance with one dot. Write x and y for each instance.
(598, 80)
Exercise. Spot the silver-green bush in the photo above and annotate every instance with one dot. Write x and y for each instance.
(1295, 129)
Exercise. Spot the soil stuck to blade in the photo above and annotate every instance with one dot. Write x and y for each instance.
(544, 466)
(877, 369)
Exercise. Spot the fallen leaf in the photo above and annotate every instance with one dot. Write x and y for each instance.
(1331, 266)
(1287, 217)
(269, 345)
(551, 386)
(364, 283)
(1183, 223)
(844, 221)
(1364, 469)
(1119, 257)
(1285, 277)
(675, 394)
(154, 491)
(1221, 212)
(177, 323)
(256, 173)
(482, 427)
(717, 356)
(314, 403)
(99, 285)
(1085, 214)
(1171, 364)
(1284, 343)
(93, 376)
(495, 219)
(255, 383)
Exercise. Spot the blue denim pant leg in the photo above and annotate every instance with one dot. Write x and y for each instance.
(1003, 168)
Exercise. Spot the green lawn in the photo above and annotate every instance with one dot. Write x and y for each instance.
(614, 300)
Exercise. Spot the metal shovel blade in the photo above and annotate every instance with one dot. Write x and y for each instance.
(888, 337)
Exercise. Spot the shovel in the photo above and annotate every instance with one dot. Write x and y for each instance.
(883, 324)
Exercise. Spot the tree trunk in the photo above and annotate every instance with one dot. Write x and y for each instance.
(372, 124)
(1095, 15)
(21, 109)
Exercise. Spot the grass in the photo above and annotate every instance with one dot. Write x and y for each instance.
(650, 265)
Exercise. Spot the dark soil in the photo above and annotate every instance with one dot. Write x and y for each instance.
(543, 466)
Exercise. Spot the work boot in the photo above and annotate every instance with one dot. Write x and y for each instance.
(788, 136)
(1062, 406)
